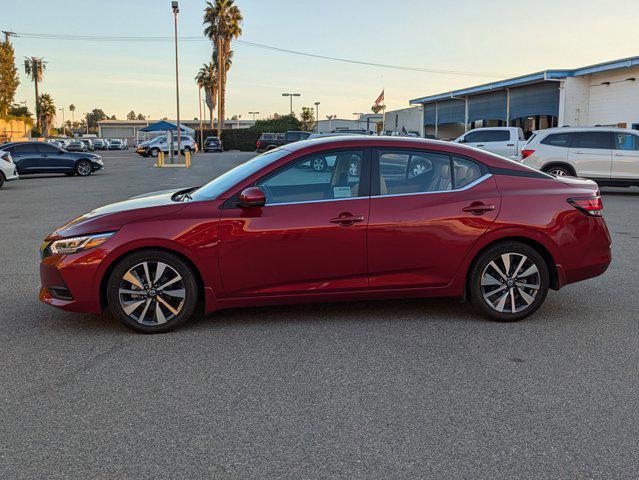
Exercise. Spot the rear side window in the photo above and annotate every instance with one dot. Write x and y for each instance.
(465, 172)
(44, 148)
(403, 172)
(26, 148)
(488, 136)
(597, 140)
(626, 141)
(556, 140)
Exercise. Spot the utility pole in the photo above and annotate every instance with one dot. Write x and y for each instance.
(291, 95)
(254, 113)
(8, 35)
(317, 104)
(64, 129)
(199, 102)
(176, 10)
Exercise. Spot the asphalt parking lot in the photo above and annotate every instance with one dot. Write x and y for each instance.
(360, 390)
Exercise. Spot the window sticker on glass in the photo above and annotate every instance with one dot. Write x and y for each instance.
(341, 192)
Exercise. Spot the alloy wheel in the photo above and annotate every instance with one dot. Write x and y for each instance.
(84, 168)
(510, 283)
(319, 164)
(418, 169)
(152, 293)
(558, 172)
(353, 169)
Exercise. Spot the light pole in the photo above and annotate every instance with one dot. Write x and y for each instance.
(291, 95)
(317, 104)
(199, 102)
(87, 117)
(176, 10)
(64, 130)
(238, 121)
(254, 113)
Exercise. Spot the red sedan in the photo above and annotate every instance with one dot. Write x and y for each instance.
(384, 218)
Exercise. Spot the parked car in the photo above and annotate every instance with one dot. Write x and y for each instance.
(77, 146)
(213, 144)
(88, 142)
(41, 157)
(269, 141)
(470, 224)
(609, 156)
(100, 144)
(160, 144)
(8, 169)
(117, 144)
(504, 141)
(54, 142)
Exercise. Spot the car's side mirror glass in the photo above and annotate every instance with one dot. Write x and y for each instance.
(252, 197)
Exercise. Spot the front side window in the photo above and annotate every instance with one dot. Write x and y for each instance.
(404, 172)
(597, 140)
(325, 176)
(626, 141)
(44, 148)
(487, 136)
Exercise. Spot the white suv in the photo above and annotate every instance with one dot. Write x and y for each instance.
(8, 169)
(608, 155)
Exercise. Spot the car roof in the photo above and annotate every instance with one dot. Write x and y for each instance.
(353, 141)
(585, 129)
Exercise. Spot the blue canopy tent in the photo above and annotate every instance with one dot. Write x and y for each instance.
(164, 126)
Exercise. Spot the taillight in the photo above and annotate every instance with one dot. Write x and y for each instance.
(526, 153)
(589, 205)
(7, 157)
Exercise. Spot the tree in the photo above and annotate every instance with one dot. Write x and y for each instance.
(307, 118)
(34, 67)
(130, 115)
(206, 78)
(95, 116)
(140, 117)
(9, 80)
(47, 110)
(222, 20)
(277, 124)
(377, 108)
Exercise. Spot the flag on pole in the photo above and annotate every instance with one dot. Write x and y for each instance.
(380, 99)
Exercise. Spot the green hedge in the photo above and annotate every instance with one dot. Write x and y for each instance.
(241, 139)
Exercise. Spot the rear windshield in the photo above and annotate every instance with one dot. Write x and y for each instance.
(556, 140)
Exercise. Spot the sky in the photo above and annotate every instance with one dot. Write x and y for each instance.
(486, 39)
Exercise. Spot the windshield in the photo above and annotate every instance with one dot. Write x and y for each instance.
(225, 181)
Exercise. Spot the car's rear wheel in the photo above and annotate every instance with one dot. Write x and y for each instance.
(152, 291)
(1, 179)
(83, 168)
(559, 171)
(509, 281)
(154, 152)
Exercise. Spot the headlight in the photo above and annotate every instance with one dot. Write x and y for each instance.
(67, 246)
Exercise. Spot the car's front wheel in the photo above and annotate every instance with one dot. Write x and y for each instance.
(1, 179)
(318, 164)
(152, 291)
(154, 152)
(509, 281)
(83, 168)
(559, 171)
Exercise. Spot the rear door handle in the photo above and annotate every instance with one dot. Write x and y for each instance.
(478, 208)
(480, 145)
(347, 219)
(510, 144)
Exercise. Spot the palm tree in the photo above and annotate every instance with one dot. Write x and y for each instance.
(206, 78)
(47, 111)
(34, 68)
(72, 109)
(222, 20)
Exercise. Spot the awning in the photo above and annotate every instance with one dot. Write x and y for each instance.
(448, 111)
(489, 106)
(538, 99)
(164, 126)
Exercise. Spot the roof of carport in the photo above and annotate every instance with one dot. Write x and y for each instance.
(531, 78)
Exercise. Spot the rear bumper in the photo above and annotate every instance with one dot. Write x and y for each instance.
(9, 177)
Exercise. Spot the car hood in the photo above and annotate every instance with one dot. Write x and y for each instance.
(114, 216)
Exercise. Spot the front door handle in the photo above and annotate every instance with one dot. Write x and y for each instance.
(479, 145)
(478, 208)
(346, 219)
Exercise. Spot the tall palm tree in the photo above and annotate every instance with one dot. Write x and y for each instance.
(206, 78)
(34, 68)
(222, 20)
(47, 111)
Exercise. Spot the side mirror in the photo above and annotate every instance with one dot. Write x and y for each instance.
(252, 197)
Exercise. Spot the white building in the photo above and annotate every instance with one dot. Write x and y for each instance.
(409, 119)
(366, 121)
(129, 128)
(602, 94)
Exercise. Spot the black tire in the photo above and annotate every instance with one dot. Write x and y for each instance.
(154, 152)
(83, 168)
(69, 174)
(175, 263)
(559, 171)
(486, 298)
(318, 164)
(1, 179)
